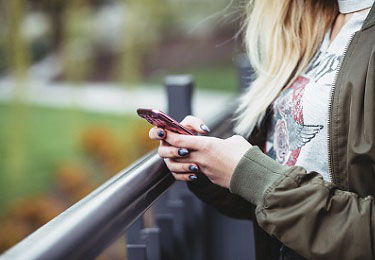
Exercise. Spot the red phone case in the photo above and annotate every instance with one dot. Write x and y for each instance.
(162, 120)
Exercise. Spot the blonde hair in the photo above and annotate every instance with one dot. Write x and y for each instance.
(281, 37)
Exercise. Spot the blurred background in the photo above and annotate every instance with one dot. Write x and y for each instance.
(72, 74)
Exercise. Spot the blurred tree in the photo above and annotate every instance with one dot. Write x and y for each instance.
(18, 58)
(143, 25)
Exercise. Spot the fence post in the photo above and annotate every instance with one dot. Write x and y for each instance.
(169, 240)
(179, 202)
(139, 237)
(179, 91)
(165, 222)
(151, 238)
(137, 252)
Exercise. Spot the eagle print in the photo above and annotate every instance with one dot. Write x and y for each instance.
(289, 133)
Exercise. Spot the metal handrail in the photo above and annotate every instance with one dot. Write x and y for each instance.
(84, 230)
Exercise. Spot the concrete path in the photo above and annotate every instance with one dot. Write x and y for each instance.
(103, 97)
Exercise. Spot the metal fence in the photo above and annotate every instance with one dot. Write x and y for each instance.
(178, 226)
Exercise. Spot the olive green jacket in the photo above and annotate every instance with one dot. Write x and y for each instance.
(315, 218)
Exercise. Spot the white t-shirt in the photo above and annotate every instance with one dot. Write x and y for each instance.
(298, 133)
(350, 6)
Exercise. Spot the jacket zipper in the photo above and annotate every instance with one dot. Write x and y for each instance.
(330, 164)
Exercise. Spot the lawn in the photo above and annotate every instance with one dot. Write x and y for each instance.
(51, 136)
(216, 77)
(220, 77)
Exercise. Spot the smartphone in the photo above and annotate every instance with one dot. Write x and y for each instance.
(162, 120)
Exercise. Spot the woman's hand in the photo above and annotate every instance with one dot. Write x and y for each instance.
(186, 155)
(195, 125)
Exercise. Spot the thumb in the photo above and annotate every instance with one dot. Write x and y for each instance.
(195, 124)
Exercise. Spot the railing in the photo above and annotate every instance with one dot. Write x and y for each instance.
(84, 230)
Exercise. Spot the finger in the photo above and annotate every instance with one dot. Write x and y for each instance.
(156, 133)
(193, 157)
(195, 124)
(172, 152)
(181, 168)
(184, 177)
(185, 160)
(189, 142)
(177, 167)
(164, 143)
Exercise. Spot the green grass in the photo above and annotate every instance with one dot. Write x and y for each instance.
(220, 77)
(51, 136)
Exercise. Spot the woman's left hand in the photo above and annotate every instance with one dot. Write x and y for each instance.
(216, 158)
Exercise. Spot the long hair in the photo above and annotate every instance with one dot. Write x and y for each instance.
(281, 37)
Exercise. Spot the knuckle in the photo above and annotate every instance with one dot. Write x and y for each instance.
(160, 151)
(165, 152)
(201, 162)
(189, 118)
(186, 120)
(179, 177)
(237, 138)
(203, 165)
(163, 144)
(175, 167)
(206, 146)
(172, 167)
(177, 141)
(175, 175)
(167, 161)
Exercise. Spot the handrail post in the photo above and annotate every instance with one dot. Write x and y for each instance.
(170, 208)
(137, 252)
(179, 92)
(184, 207)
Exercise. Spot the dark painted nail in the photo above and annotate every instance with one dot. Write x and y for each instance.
(183, 152)
(205, 128)
(192, 177)
(160, 133)
(193, 168)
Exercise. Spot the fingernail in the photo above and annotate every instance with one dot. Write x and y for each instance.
(160, 133)
(193, 168)
(205, 128)
(192, 177)
(183, 152)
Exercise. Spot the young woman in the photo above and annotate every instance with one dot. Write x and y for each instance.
(308, 163)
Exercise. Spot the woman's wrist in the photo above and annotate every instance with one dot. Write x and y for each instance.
(253, 175)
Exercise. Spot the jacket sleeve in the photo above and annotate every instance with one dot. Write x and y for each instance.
(222, 199)
(306, 213)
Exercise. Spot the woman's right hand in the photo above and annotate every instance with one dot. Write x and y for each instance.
(186, 171)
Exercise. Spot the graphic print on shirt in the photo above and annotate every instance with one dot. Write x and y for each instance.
(290, 133)
(321, 66)
(297, 132)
